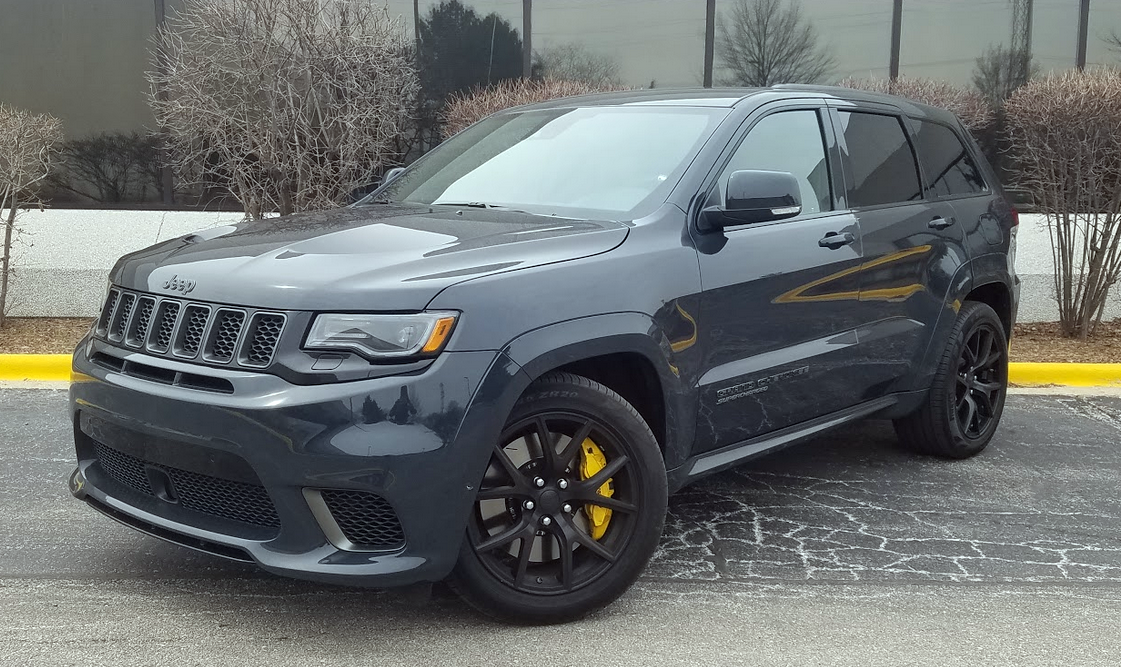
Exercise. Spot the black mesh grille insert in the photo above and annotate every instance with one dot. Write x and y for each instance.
(228, 499)
(127, 470)
(139, 328)
(108, 310)
(190, 331)
(366, 519)
(263, 335)
(223, 336)
(165, 326)
(120, 319)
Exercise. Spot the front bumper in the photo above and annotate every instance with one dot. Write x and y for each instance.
(411, 440)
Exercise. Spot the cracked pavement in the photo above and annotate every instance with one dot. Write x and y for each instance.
(844, 550)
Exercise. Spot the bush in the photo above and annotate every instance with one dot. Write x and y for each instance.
(464, 110)
(968, 105)
(1065, 133)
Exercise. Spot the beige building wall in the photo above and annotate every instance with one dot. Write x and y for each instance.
(84, 60)
(81, 60)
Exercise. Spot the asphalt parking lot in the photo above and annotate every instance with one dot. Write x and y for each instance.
(846, 550)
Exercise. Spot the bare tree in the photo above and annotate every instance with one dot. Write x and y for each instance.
(573, 61)
(1000, 71)
(295, 102)
(1113, 42)
(28, 144)
(966, 104)
(1065, 132)
(117, 166)
(764, 42)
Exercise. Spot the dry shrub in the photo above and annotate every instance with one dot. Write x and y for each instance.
(464, 110)
(296, 103)
(968, 105)
(1065, 132)
(28, 146)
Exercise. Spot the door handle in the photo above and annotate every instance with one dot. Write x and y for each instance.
(940, 223)
(833, 240)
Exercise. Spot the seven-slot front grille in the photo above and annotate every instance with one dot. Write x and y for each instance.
(189, 330)
(228, 499)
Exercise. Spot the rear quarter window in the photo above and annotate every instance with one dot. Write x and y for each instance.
(880, 168)
(948, 168)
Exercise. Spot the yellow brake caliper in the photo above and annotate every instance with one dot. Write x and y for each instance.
(592, 461)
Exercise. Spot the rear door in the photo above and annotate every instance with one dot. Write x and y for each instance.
(777, 319)
(913, 243)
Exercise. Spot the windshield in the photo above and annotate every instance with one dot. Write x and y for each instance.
(594, 162)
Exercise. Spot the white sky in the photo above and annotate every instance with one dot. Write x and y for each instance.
(663, 40)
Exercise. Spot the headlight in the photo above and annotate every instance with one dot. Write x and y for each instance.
(382, 336)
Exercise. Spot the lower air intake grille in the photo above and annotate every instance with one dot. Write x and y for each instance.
(237, 501)
(366, 519)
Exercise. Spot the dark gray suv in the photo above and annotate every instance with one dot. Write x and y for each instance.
(496, 367)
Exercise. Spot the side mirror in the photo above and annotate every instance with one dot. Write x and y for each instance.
(754, 196)
(392, 174)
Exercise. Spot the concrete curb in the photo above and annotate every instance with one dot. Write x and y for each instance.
(36, 367)
(56, 368)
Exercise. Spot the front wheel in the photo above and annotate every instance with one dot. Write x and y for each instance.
(967, 397)
(570, 508)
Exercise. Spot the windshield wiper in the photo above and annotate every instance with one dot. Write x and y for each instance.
(470, 204)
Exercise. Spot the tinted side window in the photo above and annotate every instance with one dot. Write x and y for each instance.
(790, 141)
(947, 165)
(881, 165)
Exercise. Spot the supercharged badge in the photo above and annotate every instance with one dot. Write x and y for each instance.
(757, 385)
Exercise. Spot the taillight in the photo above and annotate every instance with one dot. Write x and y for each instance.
(1015, 217)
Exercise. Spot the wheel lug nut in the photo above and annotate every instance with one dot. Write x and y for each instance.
(567, 508)
(538, 482)
(528, 504)
(563, 483)
(545, 521)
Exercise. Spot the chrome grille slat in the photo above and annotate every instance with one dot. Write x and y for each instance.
(121, 315)
(189, 339)
(225, 333)
(108, 311)
(166, 318)
(190, 330)
(138, 330)
(264, 334)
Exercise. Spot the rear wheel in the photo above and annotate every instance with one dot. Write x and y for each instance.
(570, 508)
(967, 397)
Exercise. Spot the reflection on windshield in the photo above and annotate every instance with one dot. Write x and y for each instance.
(588, 162)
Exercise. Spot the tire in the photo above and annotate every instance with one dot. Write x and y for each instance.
(972, 375)
(512, 564)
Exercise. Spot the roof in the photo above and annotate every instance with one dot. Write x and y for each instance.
(730, 97)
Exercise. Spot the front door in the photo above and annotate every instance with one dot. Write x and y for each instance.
(777, 324)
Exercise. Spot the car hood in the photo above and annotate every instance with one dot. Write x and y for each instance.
(379, 257)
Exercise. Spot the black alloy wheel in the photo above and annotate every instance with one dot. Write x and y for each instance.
(966, 398)
(982, 368)
(537, 549)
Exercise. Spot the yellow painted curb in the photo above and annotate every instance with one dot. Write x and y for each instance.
(1070, 375)
(56, 368)
(39, 367)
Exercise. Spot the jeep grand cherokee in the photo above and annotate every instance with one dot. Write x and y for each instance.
(496, 367)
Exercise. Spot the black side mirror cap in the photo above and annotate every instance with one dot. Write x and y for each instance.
(754, 196)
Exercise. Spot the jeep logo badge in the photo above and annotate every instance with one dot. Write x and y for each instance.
(181, 285)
